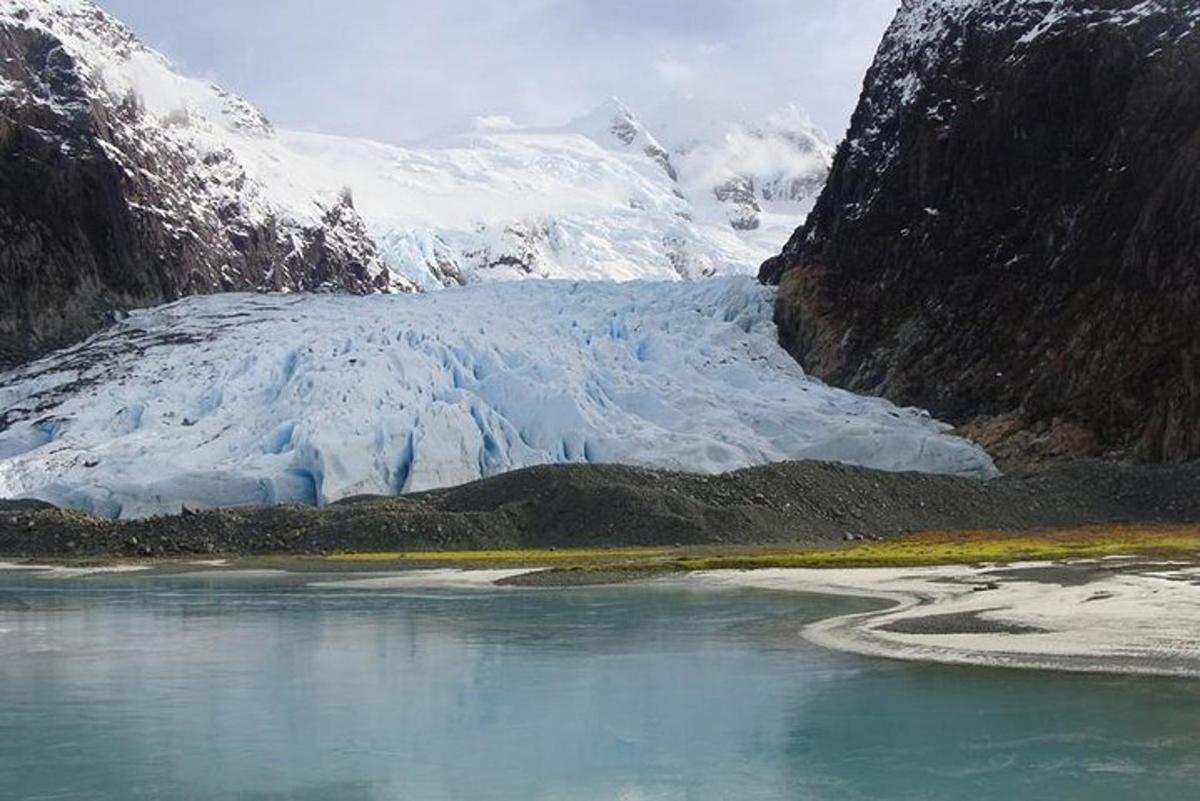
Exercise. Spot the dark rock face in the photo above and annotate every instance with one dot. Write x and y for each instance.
(1011, 232)
(104, 207)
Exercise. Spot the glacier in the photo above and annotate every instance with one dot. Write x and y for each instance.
(240, 399)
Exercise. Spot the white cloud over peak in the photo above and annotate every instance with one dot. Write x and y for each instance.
(397, 70)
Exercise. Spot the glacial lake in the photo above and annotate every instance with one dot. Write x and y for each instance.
(261, 688)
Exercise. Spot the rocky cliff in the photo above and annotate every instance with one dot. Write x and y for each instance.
(123, 184)
(1010, 236)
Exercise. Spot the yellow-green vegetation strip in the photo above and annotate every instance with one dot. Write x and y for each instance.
(531, 556)
(974, 547)
(927, 549)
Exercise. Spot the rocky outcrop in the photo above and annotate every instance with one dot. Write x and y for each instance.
(109, 201)
(1010, 235)
(740, 199)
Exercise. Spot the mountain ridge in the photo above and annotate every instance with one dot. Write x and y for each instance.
(121, 185)
(597, 198)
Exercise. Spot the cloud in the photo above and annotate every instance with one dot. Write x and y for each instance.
(676, 75)
(398, 69)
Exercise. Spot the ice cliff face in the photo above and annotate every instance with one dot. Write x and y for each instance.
(244, 399)
(1010, 235)
(124, 184)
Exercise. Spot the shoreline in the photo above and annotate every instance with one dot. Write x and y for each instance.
(1116, 615)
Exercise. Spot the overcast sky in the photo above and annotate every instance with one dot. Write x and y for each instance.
(396, 70)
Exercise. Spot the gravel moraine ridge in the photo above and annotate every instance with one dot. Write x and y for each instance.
(603, 506)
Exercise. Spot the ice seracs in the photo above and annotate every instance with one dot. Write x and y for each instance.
(243, 399)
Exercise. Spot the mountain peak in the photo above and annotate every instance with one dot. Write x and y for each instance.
(612, 122)
(615, 108)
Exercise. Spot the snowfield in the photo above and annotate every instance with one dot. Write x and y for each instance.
(597, 199)
(499, 203)
(263, 399)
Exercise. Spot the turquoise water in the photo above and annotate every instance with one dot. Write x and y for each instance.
(264, 690)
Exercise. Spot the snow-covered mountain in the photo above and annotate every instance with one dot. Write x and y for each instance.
(173, 186)
(213, 165)
(598, 198)
(244, 399)
(758, 175)
(499, 202)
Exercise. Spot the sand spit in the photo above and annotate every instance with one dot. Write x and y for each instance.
(1110, 616)
(423, 580)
